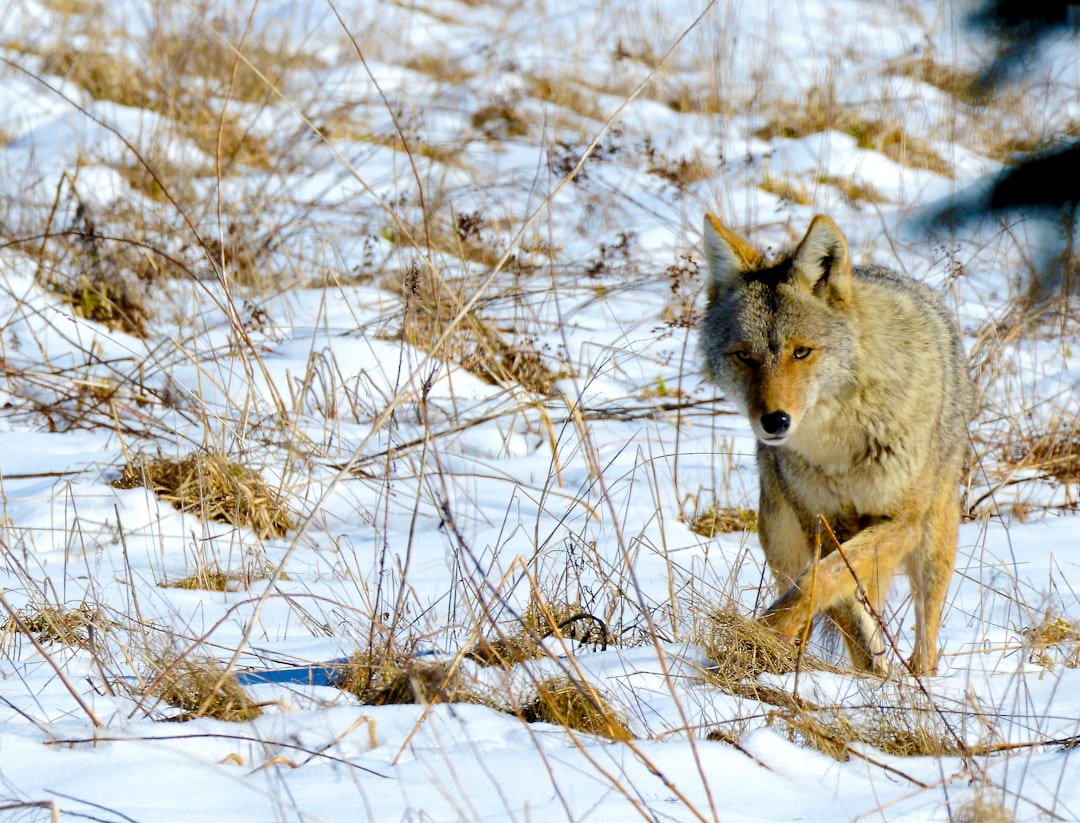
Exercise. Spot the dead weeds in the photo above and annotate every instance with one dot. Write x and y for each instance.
(432, 304)
(212, 486)
(76, 626)
(722, 520)
(540, 621)
(820, 111)
(200, 688)
(390, 679)
(575, 705)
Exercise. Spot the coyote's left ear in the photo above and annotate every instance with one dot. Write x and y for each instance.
(821, 261)
(728, 256)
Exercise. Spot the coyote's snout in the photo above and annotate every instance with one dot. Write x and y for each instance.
(856, 386)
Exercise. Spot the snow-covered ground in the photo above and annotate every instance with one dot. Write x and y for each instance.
(433, 506)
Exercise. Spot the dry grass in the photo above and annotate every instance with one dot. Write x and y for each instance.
(540, 621)
(722, 520)
(822, 112)
(741, 649)
(210, 485)
(785, 189)
(854, 191)
(1054, 452)
(981, 810)
(389, 678)
(895, 718)
(213, 579)
(75, 627)
(575, 705)
(198, 689)
(897, 726)
(1052, 640)
(956, 82)
(432, 303)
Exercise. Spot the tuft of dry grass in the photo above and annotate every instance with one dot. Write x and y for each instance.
(211, 578)
(897, 726)
(901, 723)
(853, 190)
(386, 679)
(109, 301)
(210, 485)
(1055, 452)
(956, 82)
(92, 272)
(432, 303)
(722, 520)
(820, 111)
(785, 189)
(540, 621)
(1052, 633)
(65, 625)
(576, 705)
(742, 648)
(981, 810)
(196, 686)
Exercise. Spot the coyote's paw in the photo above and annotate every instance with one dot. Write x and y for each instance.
(788, 615)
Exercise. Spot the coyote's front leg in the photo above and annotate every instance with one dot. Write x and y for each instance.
(859, 570)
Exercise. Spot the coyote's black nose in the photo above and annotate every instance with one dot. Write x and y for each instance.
(776, 422)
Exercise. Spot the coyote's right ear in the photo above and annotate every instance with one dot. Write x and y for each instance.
(729, 258)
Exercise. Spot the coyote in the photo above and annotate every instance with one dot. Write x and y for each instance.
(855, 383)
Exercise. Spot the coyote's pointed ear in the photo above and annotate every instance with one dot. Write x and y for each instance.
(821, 261)
(728, 257)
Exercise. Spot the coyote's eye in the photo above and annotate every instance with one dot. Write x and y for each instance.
(743, 357)
(801, 352)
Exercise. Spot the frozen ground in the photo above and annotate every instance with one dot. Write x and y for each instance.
(279, 251)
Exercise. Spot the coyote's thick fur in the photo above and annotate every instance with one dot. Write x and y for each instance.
(856, 386)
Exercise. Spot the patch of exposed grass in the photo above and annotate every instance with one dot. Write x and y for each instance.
(197, 688)
(686, 99)
(1056, 451)
(59, 624)
(899, 725)
(902, 723)
(106, 299)
(741, 648)
(576, 705)
(566, 94)
(102, 74)
(681, 172)
(210, 485)
(239, 250)
(540, 621)
(501, 119)
(186, 74)
(722, 520)
(1054, 633)
(385, 679)
(854, 191)
(821, 112)
(442, 67)
(956, 82)
(93, 273)
(432, 303)
(211, 578)
(786, 190)
(981, 810)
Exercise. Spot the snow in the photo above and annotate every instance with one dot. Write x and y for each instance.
(438, 503)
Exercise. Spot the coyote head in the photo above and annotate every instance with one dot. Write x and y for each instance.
(779, 336)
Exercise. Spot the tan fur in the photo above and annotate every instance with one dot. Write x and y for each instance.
(855, 383)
